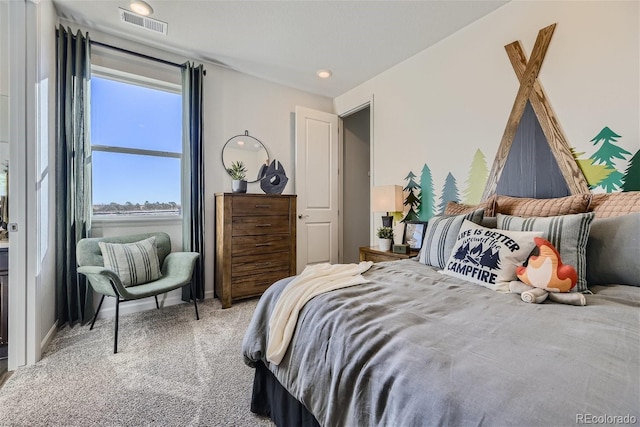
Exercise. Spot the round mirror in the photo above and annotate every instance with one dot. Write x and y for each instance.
(248, 150)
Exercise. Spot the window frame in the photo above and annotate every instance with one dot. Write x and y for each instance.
(138, 80)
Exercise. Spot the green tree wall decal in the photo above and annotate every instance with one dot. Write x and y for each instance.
(449, 193)
(632, 174)
(477, 180)
(427, 207)
(593, 173)
(412, 189)
(606, 154)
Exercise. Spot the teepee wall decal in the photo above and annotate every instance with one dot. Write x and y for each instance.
(531, 91)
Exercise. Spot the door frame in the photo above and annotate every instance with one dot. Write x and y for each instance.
(23, 52)
(348, 109)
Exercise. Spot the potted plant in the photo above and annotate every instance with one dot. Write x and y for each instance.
(238, 174)
(385, 235)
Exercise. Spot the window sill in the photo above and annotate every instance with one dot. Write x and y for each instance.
(135, 220)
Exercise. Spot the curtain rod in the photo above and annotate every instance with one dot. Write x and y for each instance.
(141, 55)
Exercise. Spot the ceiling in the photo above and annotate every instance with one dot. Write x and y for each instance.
(288, 41)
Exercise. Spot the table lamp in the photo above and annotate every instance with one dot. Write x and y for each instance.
(387, 198)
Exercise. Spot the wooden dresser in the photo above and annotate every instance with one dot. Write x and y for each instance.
(255, 243)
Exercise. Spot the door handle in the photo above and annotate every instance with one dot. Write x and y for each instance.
(303, 216)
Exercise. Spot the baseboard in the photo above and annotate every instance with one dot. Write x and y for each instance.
(47, 339)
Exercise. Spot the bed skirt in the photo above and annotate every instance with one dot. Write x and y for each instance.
(274, 401)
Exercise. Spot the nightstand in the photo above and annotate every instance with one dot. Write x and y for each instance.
(373, 253)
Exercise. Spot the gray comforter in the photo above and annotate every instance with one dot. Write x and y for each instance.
(417, 348)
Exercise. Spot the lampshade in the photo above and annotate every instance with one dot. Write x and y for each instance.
(387, 198)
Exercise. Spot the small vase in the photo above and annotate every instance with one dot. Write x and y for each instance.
(238, 186)
(384, 244)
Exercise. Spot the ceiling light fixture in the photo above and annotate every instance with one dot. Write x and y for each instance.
(324, 74)
(141, 7)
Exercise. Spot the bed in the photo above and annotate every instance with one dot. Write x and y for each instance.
(415, 347)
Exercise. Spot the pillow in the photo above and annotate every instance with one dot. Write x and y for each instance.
(524, 206)
(488, 256)
(455, 208)
(568, 233)
(613, 251)
(614, 204)
(441, 235)
(135, 263)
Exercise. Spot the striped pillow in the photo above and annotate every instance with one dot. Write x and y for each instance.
(135, 263)
(441, 236)
(568, 233)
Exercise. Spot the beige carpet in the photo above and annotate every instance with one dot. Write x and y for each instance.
(171, 370)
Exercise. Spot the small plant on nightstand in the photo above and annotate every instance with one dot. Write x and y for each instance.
(385, 235)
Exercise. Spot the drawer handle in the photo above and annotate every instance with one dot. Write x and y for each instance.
(262, 264)
(262, 244)
(263, 225)
(263, 206)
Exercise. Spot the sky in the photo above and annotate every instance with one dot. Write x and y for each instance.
(126, 115)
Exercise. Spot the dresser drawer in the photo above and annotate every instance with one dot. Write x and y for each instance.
(259, 264)
(256, 245)
(248, 205)
(257, 225)
(4, 259)
(248, 286)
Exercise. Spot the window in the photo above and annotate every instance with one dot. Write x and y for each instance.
(136, 142)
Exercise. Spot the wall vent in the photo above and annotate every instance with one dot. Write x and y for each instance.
(143, 22)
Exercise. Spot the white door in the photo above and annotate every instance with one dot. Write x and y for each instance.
(316, 178)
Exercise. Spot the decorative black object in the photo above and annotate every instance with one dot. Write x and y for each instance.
(274, 178)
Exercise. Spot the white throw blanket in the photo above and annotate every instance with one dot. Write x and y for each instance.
(314, 280)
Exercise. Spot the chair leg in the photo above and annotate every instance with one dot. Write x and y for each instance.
(115, 337)
(157, 305)
(193, 295)
(95, 316)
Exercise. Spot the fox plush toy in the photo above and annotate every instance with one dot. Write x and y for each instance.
(545, 276)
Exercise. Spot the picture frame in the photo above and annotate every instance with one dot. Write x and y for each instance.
(414, 232)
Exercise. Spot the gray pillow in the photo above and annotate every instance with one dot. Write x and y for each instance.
(135, 263)
(613, 251)
(568, 233)
(441, 236)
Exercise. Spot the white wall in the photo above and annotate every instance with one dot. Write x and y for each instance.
(44, 179)
(233, 102)
(4, 84)
(455, 97)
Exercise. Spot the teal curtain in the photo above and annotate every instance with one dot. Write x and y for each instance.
(192, 172)
(74, 299)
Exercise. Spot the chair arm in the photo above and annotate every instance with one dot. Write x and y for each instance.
(179, 265)
(103, 280)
